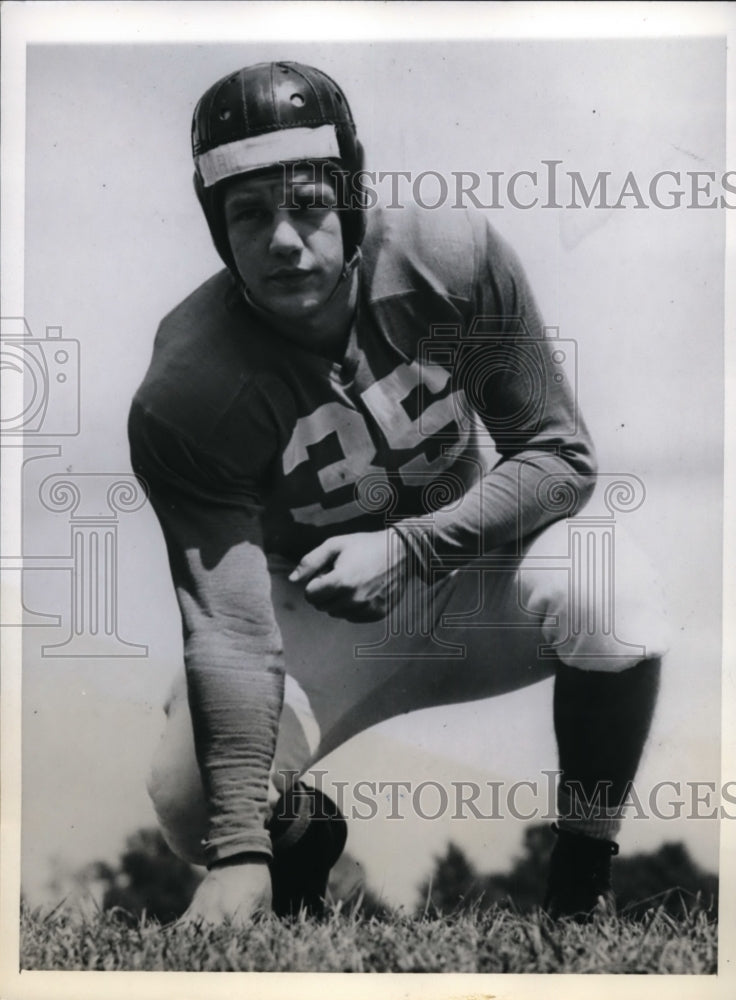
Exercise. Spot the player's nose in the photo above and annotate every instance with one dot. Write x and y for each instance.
(285, 237)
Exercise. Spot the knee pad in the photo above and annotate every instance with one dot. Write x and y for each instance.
(599, 596)
(174, 783)
(181, 811)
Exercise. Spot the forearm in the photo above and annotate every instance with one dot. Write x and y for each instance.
(235, 700)
(234, 664)
(505, 505)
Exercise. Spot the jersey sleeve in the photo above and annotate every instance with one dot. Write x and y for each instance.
(209, 511)
(510, 371)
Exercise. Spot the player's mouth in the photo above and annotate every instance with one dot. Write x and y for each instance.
(290, 276)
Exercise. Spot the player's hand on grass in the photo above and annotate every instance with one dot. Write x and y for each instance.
(358, 577)
(231, 893)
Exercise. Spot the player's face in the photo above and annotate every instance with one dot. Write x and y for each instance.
(286, 239)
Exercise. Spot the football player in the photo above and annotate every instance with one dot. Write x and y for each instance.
(355, 437)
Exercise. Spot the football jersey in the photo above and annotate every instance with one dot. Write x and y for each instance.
(448, 410)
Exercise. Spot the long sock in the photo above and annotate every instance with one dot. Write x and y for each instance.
(601, 721)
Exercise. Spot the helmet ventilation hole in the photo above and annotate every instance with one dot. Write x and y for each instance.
(224, 114)
(297, 100)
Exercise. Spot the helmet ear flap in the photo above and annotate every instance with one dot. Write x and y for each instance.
(356, 219)
(209, 199)
(359, 154)
(199, 190)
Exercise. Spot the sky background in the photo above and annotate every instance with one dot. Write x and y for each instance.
(115, 238)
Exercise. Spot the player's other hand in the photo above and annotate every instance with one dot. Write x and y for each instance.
(358, 577)
(233, 893)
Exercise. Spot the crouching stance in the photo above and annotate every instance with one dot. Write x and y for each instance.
(356, 437)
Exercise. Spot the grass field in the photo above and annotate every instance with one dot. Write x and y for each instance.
(498, 940)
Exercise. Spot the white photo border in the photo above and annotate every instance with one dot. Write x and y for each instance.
(204, 22)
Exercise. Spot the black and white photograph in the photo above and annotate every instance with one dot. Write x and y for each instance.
(364, 483)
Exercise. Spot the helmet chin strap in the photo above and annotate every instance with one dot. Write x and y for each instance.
(349, 268)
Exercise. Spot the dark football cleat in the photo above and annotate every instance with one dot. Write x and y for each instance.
(579, 881)
(308, 834)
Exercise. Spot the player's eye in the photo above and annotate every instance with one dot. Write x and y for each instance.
(247, 214)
